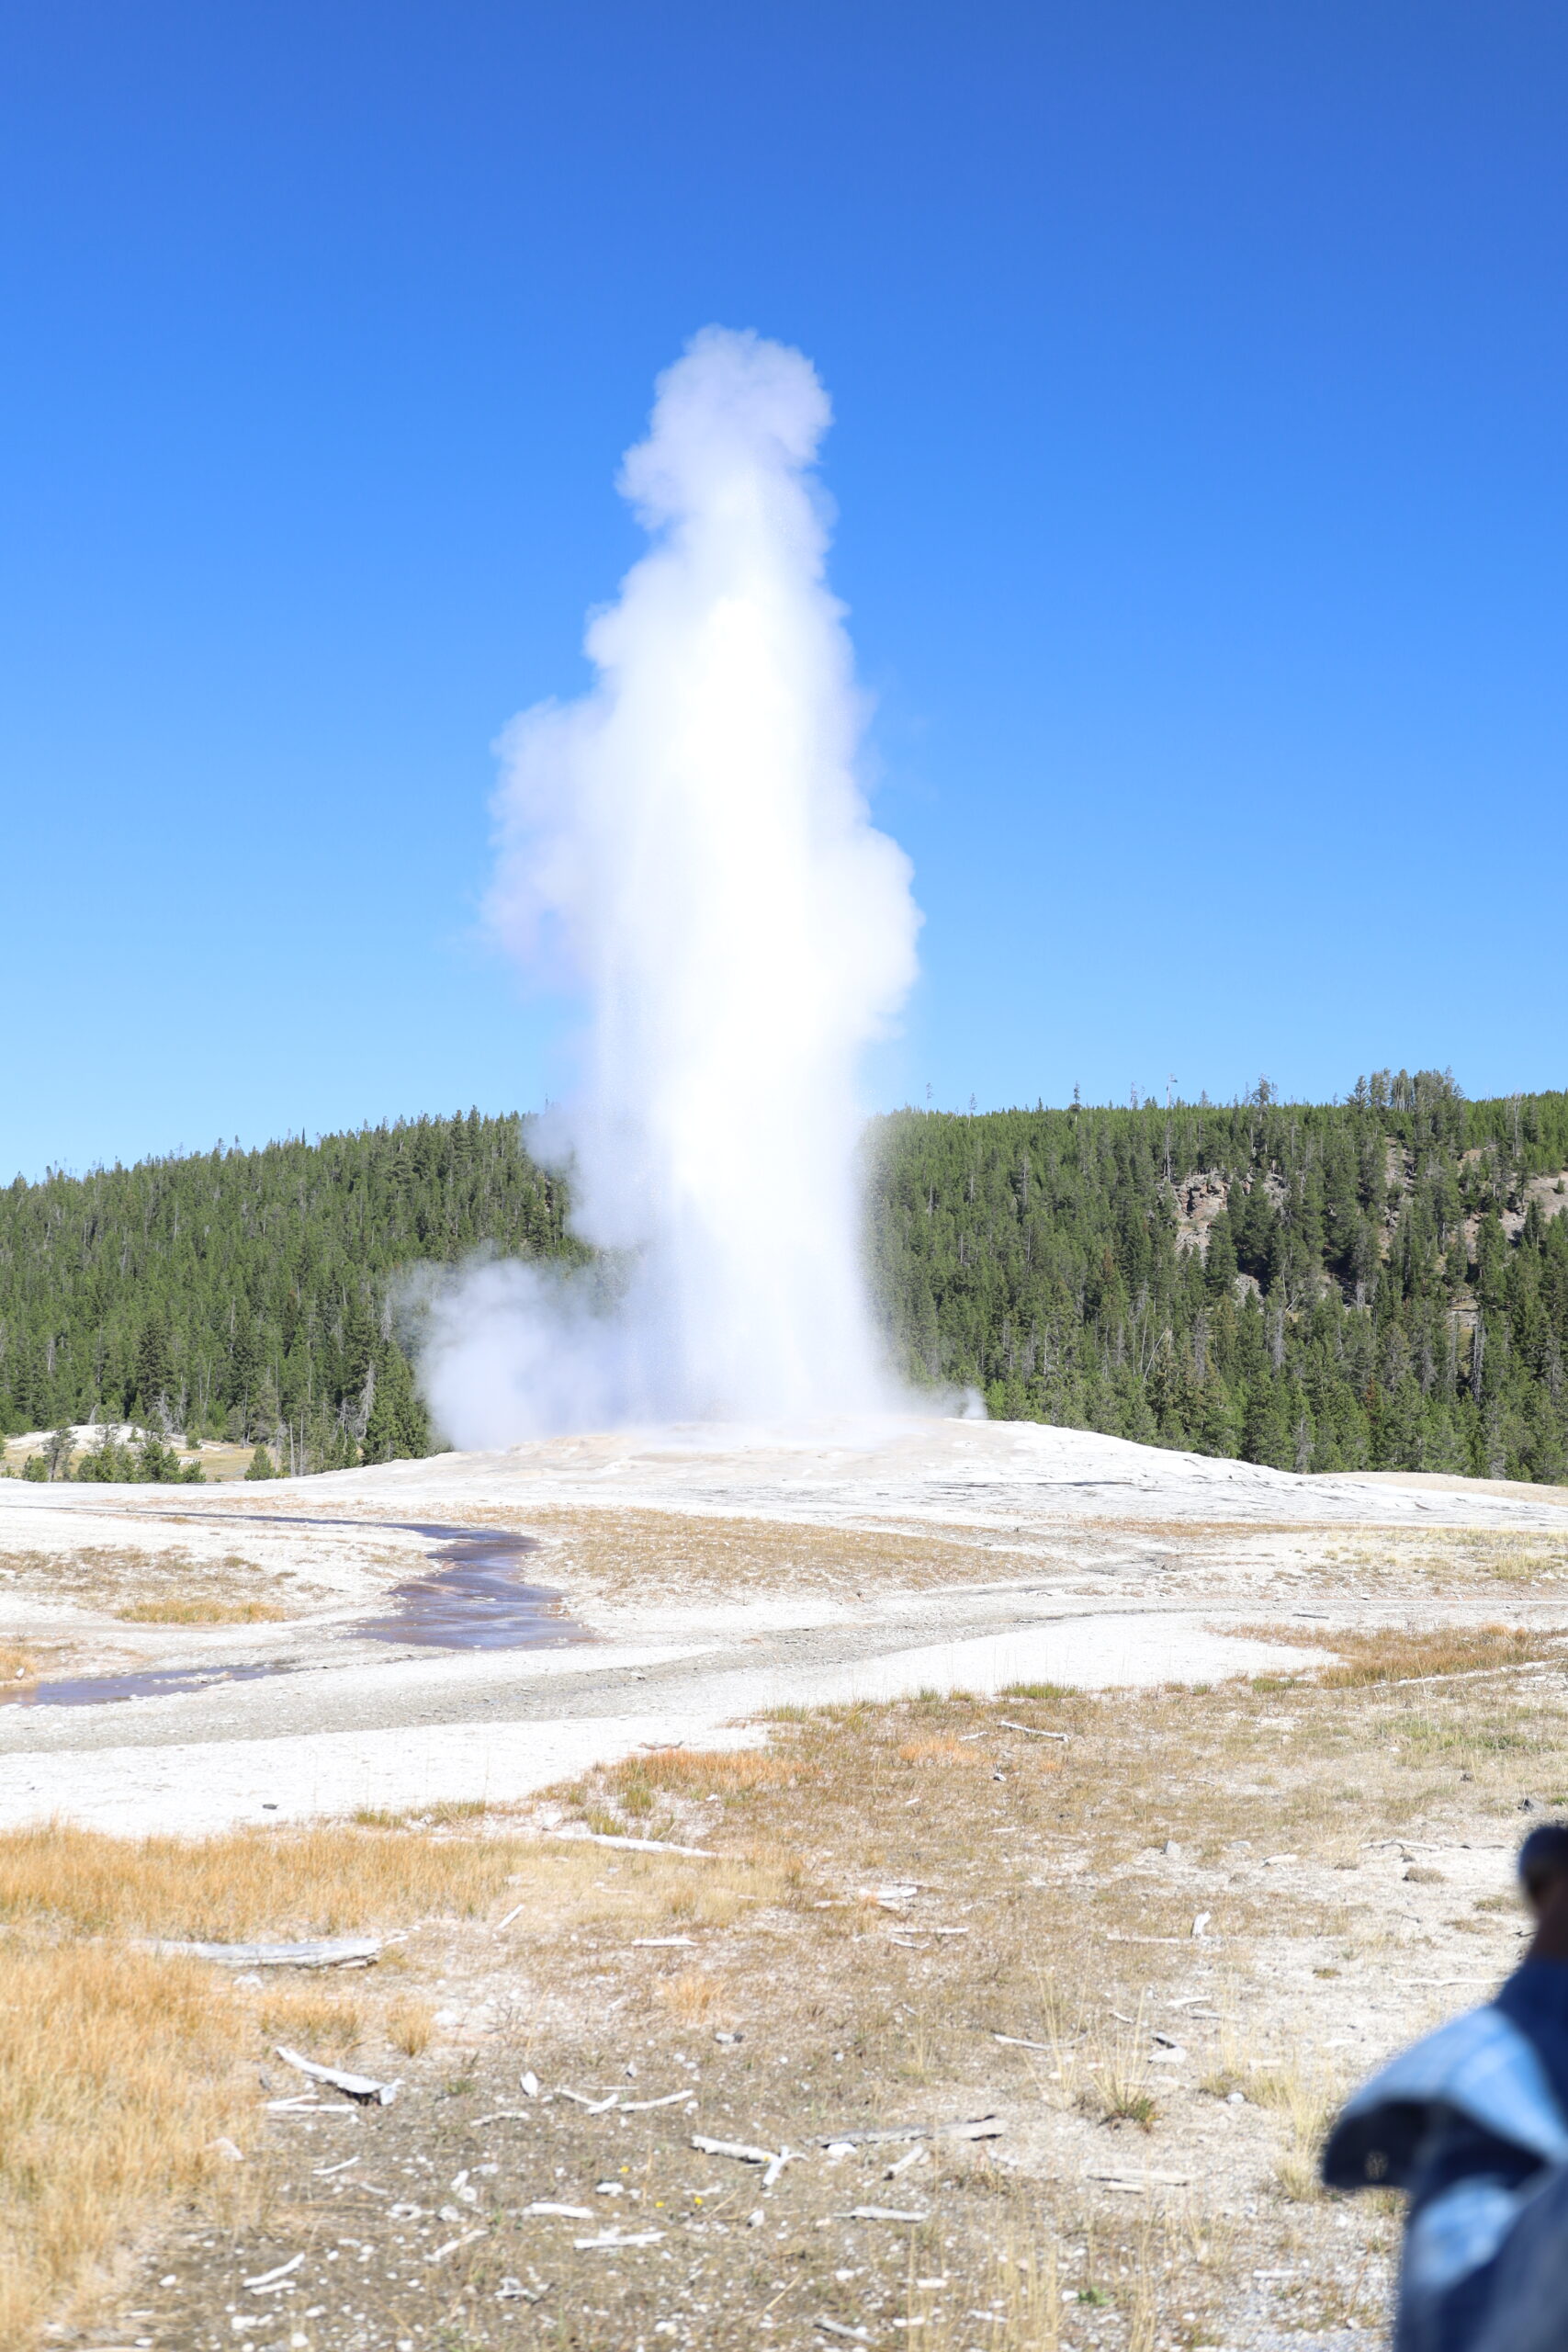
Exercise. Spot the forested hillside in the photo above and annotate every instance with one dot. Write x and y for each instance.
(247, 1294)
(1378, 1283)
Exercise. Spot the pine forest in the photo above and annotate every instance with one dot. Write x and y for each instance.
(1376, 1284)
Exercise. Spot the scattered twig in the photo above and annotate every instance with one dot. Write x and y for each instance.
(1021, 2041)
(880, 2213)
(609, 2238)
(1150, 2179)
(1033, 1731)
(738, 2149)
(512, 2290)
(452, 2244)
(271, 2278)
(561, 2213)
(515, 1913)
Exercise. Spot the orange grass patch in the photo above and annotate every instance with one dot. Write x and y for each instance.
(687, 1772)
(940, 1751)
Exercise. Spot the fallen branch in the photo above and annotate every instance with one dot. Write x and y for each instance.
(1109, 2179)
(632, 1845)
(341, 1951)
(360, 2088)
(879, 2214)
(609, 2238)
(984, 2127)
(1032, 1730)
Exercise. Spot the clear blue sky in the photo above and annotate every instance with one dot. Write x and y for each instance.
(1200, 374)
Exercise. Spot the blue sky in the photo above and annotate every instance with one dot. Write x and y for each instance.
(1199, 379)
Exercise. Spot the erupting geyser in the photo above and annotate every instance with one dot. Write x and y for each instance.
(692, 834)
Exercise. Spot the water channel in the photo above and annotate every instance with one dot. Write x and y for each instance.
(473, 1598)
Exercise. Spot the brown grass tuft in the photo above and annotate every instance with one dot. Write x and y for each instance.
(410, 2026)
(691, 1995)
(942, 1752)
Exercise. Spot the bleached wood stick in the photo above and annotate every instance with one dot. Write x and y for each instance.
(340, 1952)
(737, 2148)
(362, 2087)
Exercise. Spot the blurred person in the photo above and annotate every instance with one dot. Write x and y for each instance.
(1473, 2123)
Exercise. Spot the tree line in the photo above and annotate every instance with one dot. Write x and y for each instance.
(1376, 1284)
(253, 1295)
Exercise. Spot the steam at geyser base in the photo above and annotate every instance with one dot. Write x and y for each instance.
(691, 840)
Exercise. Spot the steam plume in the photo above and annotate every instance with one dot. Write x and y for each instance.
(693, 836)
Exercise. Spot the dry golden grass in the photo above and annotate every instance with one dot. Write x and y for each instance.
(691, 1995)
(116, 2072)
(939, 1751)
(119, 2067)
(311, 2016)
(1397, 1655)
(697, 1772)
(17, 1665)
(333, 1880)
(410, 2024)
(199, 1609)
(651, 1553)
